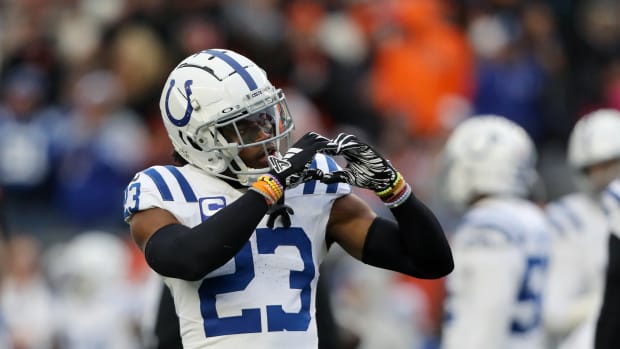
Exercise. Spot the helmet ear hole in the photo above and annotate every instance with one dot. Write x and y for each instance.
(193, 144)
(181, 137)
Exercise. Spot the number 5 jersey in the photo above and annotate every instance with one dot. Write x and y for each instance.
(494, 296)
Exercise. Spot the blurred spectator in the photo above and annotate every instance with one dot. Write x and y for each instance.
(597, 30)
(30, 145)
(105, 142)
(26, 302)
(257, 28)
(510, 81)
(330, 58)
(139, 78)
(612, 85)
(541, 37)
(197, 33)
(30, 133)
(425, 60)
(79, 28)
(4, 235)
(307, 116)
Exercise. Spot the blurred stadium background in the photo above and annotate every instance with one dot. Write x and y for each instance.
(79, 89)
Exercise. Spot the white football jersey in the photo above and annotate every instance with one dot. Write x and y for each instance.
(611, 206)
(576, 270)
(494, 294)
(265, 296)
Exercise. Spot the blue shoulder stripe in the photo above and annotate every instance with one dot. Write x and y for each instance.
(332, 166)
(310, 186)
(188, 193)
(166, 195)
(570, 214)
(509, 231)
(556, 225)
(613, 194)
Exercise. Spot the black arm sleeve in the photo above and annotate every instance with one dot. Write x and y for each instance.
(414, 245)
(190, 253)
(608, 325)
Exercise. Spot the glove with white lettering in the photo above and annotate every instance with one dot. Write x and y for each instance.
(291, 169)
(366, 168)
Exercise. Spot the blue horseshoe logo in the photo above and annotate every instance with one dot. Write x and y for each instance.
(188, 109)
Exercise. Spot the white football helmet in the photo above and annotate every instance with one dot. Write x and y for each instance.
(595, 140)
(217, 102)
(487, 155)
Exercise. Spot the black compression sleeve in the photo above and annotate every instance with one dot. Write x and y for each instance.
(190, 253)
(414, 245)
(608, 325)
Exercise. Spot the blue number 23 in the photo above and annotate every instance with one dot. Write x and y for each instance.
(267, 240)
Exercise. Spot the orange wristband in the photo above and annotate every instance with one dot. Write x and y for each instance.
(269, 187)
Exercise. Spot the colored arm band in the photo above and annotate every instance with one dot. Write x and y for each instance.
(397, 193)
(269, 187)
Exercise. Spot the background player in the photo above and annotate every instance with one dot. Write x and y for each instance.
(580, 233)
(500, 247)
(607, 335)
(242, 264)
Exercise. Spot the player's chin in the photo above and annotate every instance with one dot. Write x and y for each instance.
(260, 161)
(262, 157)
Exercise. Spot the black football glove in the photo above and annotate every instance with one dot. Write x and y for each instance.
(366, 168)
(293, 169)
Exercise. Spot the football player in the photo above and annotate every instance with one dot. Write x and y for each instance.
(580, 233)
(238, 233)
(607, 334)
(500, 246)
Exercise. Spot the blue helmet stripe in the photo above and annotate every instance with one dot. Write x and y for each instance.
(184, 184)
(237, 67)
(166, 195)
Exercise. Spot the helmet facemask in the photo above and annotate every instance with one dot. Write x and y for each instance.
(265, 124)
(593, 179)
(223, 115)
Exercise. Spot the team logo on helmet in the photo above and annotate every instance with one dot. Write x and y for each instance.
(188, 108)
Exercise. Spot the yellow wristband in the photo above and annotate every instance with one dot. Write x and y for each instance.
(269, 187)
(395, 188)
